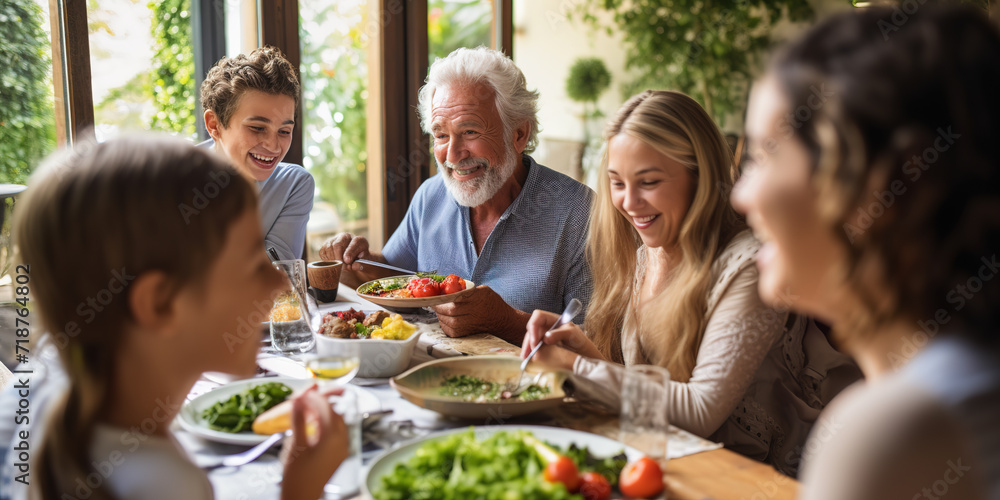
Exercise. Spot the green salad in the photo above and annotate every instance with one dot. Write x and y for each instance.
(470, 388)
(502, 466)
(237, 413)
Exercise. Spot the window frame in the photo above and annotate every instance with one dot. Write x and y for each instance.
(401, 152)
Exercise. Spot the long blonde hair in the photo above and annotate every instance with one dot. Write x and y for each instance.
(129, 205)
(676, 126)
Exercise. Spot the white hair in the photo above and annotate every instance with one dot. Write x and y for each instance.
(515, 103)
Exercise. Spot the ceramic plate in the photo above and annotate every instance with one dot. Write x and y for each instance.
(599, 446)
(410, 302)
(421, 386)
(190, 415)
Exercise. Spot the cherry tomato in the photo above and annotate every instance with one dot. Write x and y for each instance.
(423, 287)
(563, 470)
(594, 486)
(452, 284)
(641, 479)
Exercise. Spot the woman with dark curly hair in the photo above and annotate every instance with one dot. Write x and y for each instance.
(250, 103)
(874, 186)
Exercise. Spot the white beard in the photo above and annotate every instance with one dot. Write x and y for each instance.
(475, 192)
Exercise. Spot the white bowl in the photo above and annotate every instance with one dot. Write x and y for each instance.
(380, 358)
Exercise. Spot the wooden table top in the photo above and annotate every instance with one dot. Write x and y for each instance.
(710, 475)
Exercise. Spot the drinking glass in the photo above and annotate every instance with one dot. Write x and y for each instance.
(336, 367)
(643, 421)
(346, 482)
(290, 330)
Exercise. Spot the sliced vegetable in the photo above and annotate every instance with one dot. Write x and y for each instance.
(558, 468)
(452, 284)
(424, 287)
(641, 479)
(594, 486)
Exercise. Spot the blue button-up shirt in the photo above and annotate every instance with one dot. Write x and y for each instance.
(534, 258)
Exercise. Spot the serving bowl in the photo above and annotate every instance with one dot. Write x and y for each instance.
(379, 358)
(421, 385)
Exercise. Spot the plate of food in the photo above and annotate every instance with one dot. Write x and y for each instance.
(473, 387)
(385, 341)
(415, 290)
(232, 412)
(534, 461)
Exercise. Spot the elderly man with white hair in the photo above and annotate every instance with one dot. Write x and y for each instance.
(491, 215)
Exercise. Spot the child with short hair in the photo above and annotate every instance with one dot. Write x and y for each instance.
(250, 102)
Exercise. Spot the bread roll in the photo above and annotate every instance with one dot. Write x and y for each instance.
(277, 419)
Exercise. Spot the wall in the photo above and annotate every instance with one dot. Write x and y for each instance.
(546, 44)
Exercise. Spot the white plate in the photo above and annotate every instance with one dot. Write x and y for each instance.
(598, 446)
(190, 415)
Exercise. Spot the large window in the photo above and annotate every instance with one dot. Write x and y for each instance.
(458, 23)
(335, 38)
(142, 62)
(27, 116)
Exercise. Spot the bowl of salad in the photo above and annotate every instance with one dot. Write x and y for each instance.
(385, 341)
(513, 461)
(473, 387)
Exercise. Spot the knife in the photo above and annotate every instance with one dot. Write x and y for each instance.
(384, 266)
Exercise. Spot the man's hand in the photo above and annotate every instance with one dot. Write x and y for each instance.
(482, 311)
(348, 248)
(345, 247)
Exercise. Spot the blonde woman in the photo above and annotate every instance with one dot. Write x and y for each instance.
(675, 285)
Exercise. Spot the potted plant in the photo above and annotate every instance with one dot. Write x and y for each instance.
(588, 79)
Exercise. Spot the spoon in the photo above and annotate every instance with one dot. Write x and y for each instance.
(571, 311)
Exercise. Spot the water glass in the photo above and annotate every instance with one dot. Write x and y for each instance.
(290, 330)
(346, 482)
(643, 421)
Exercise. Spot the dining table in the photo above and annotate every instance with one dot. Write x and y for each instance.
(695, 468)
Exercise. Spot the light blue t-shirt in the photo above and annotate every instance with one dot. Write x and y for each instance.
(534, 258)
(965, 378)
(286, 198)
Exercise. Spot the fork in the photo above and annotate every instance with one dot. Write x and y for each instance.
(247, 456)
(571, 311)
